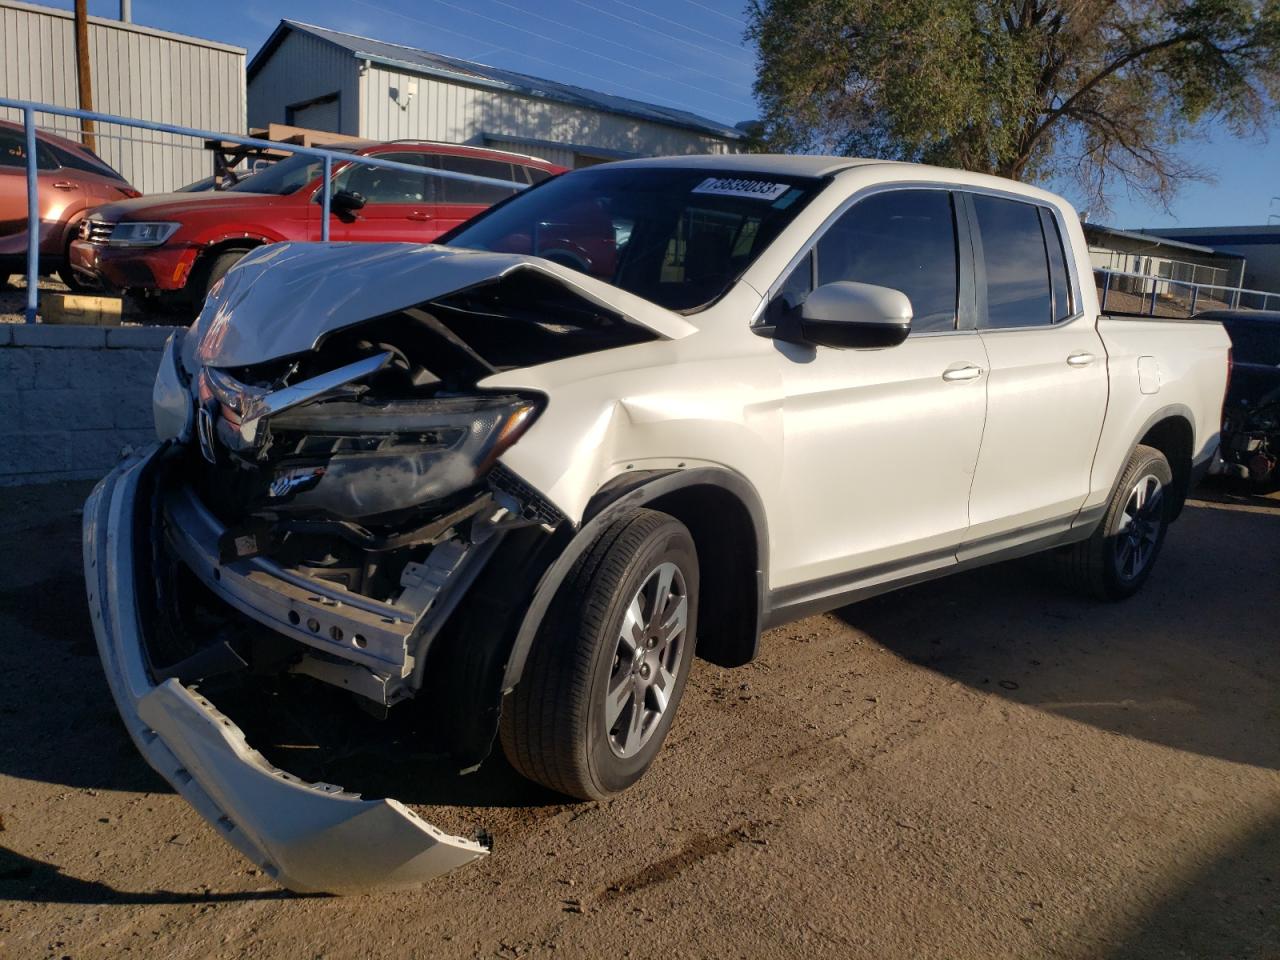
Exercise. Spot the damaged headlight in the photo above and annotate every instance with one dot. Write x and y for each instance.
(364, 459)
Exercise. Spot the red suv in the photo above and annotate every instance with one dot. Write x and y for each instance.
(170, 249)
(71, 179)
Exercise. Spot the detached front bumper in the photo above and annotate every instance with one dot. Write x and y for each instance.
(310, 837)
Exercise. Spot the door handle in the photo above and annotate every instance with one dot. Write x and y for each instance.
(1081, 359)
(64, 185)
(961, 371)
(420, 215)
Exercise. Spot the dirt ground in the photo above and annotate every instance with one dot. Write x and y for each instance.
(982, 767)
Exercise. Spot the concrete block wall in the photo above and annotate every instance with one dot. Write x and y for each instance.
(71, 398)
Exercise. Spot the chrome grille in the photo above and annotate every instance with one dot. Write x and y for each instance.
(96, 231)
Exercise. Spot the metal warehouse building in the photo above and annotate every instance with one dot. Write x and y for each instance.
(308, 76)
(137, 72)
(1260, 244)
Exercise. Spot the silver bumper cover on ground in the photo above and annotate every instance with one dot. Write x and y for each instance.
(309, 837)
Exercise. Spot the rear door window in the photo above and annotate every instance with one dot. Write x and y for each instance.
(382, 185)
(1019, 288)
(470, 192)
(902, 239)
(13, 151)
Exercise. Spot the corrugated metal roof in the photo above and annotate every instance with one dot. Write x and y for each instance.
(466, 71)
(1100, 231)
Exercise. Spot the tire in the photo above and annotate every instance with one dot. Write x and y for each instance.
(67, 275)
(159, 308)
(555, 726)
(1116, 560)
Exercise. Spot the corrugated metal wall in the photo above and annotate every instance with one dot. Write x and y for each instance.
(137, 72)
(461, 114)
(303, 68)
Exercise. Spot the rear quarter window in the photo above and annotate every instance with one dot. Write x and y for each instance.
(72, 161)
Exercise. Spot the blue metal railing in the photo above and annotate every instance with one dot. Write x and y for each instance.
(30, 109)
(1190, 296)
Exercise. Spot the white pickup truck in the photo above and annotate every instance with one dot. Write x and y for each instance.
(650, 407)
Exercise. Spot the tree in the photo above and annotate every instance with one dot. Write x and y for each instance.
(1033, 90)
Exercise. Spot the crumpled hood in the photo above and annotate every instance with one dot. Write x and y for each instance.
(282, 299)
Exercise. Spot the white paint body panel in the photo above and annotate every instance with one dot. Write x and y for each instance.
(1043, 419)
(867, 458)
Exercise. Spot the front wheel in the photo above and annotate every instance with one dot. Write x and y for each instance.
(1116, 560)
(610, 662)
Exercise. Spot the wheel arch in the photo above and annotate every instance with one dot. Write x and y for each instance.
(1171, 430)
(237, 241)
(726, 519)
(481, 653)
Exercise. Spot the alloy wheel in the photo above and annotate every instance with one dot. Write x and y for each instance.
(1139, 528)
(646, 659)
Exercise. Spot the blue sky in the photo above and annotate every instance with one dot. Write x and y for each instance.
(686, 53)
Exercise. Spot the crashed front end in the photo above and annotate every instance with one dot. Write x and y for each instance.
(325, 496)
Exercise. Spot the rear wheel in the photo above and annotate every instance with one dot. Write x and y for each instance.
(1116, 560)
(610, 662)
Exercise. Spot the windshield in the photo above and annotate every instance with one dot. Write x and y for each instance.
(282, 178)
(678, 237)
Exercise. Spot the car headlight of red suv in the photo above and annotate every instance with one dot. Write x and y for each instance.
(142, 234)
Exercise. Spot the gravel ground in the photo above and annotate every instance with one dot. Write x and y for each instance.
(13, 302)
(13, 296)
(982, 767)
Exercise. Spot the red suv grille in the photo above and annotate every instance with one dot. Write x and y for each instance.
(96, 231)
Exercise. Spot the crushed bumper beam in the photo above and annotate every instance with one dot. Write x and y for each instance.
(310, 837)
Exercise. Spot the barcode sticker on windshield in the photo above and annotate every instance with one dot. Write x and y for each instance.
(738, 187)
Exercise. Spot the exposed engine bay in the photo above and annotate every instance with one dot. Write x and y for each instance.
(346, 497)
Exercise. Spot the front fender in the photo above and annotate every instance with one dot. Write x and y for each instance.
(624, 493)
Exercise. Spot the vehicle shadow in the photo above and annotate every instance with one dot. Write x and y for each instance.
(35, 881)
(300, 726)
(1191, 662)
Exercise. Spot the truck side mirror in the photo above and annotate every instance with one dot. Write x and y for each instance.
(846, 314)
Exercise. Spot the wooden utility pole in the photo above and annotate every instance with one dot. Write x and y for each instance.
(82, 71)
